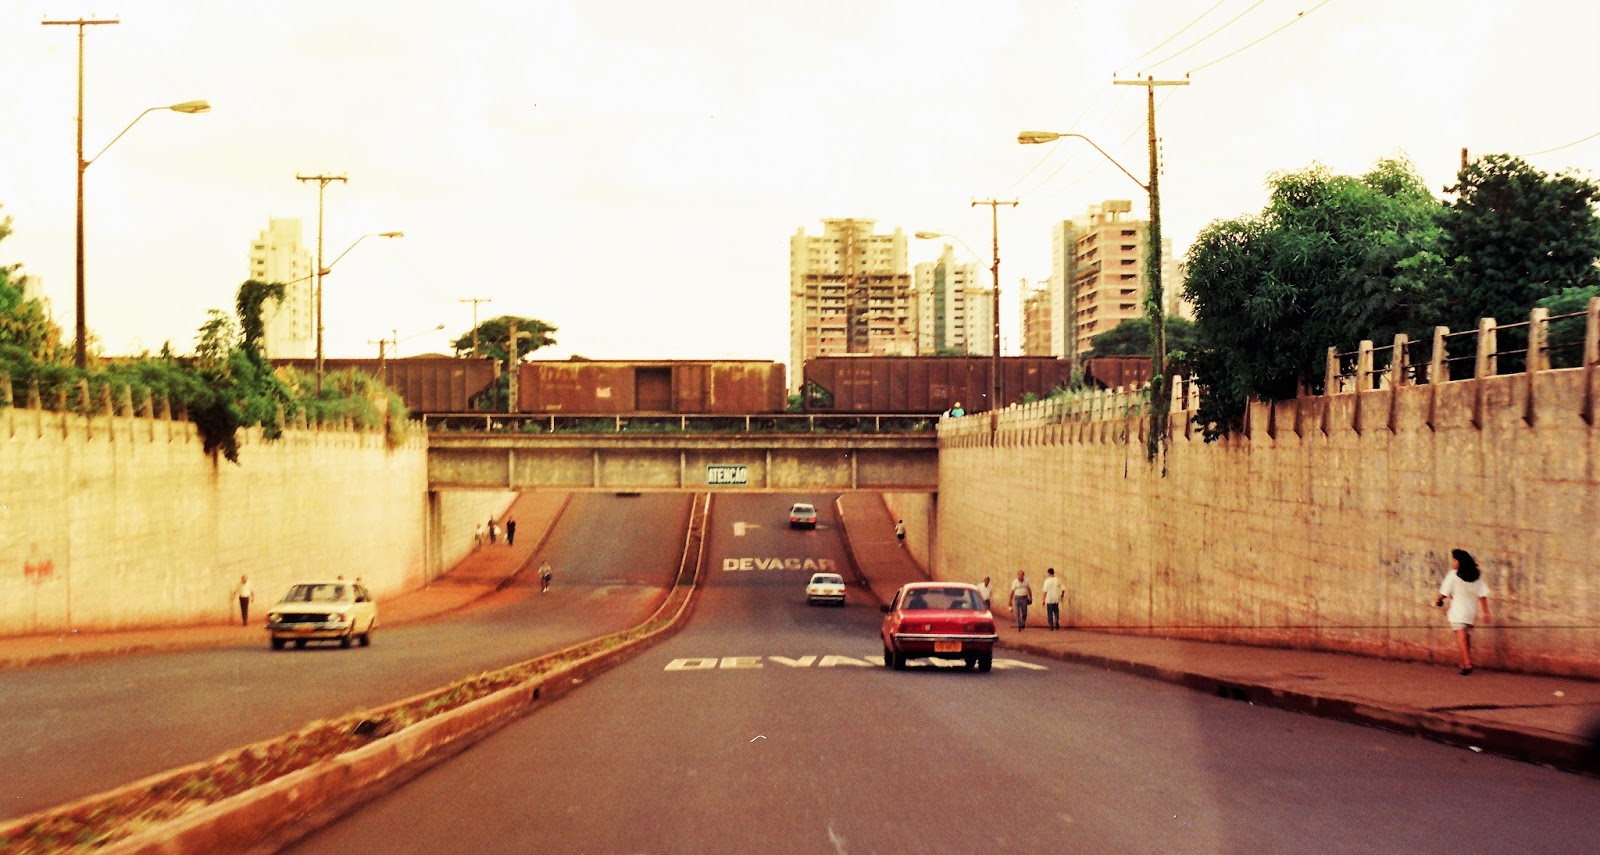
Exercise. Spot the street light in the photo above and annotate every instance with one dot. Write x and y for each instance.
(324, 271)
(1160, 399)
(81, 332)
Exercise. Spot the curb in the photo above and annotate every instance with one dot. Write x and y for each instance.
(1529, 745)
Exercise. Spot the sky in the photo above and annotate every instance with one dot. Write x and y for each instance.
(631, 171)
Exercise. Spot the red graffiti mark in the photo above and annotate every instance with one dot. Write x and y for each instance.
(38, 571)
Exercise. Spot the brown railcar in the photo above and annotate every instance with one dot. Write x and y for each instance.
(925, 384)
(679, 387)
(428, 384)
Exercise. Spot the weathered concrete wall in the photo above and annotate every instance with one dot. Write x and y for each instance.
(457, 515)
(114, 522)
(917, 509)
(1322, 527)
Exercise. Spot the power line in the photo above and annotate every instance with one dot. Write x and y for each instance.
(1560, 147)
(1210, 34)
(1292, 21)
(1180, 32)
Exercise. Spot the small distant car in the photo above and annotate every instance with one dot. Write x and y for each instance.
(803, 515)
(938, 620)
(323, 610)
(825, 588)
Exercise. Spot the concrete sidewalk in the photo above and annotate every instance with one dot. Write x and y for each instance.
(1548, 720)
(481, 573)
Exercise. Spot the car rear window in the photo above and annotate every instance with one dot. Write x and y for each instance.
(926, 599)
(827, 579)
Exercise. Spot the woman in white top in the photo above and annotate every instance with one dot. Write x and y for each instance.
(1462, 593)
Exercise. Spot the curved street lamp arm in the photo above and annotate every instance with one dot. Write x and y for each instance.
(119, 136)
(1037, 137)
(328, 268)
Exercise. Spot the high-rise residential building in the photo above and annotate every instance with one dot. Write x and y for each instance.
(1036, 326)
(952, 309)
(1105, 278)
(1063, 266)
(849, 292)
(290, 324)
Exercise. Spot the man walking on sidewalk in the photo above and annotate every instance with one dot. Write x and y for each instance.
(246, 595)
(1021, 597)
(511, 532)
(1052, 599)
(900, 532)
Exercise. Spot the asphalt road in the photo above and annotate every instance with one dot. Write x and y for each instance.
(70, 730)
(770, 726)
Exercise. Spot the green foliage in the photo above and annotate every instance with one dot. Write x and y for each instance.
(1565, 342)
(1132, 338)
(252, 296)
(1515, 235)
(494, 338)
(1330, 261)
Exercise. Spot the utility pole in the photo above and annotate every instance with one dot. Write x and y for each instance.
(1160, 398)
(512, 365)
(80, 345)
(475, 301)
(994, 360)
(322, 185)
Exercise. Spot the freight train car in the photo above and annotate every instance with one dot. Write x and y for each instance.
(925, 384)
(679, 387)
(428, 384)
(1116, 372)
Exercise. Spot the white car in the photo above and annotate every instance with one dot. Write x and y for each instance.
(323, 610)
(803, 515)
(825, 588)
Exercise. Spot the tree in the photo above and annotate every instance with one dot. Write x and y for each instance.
(1132, 338)
(494, 337)
(1515, 235)
(1330, 261)
(1567, 335)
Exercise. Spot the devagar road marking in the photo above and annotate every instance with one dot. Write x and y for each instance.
(748, 663)
(742, 565)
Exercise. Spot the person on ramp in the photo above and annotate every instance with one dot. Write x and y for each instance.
(544, 577)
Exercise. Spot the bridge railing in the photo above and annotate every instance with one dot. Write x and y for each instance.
(762, 423)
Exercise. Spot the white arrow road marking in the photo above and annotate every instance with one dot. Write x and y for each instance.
(749, 663)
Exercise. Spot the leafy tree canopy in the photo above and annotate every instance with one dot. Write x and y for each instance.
(494, 337)
(1132, 338)
(1331, 260)
(1515, 235)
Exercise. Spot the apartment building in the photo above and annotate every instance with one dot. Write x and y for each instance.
(953, 310)
(849, 293)
(277, 255)
(1036, 326)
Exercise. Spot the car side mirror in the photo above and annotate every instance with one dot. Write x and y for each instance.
(884, 609)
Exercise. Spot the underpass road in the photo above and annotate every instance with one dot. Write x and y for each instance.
(73, 729)
(770, 726)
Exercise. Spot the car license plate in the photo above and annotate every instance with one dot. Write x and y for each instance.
(947, 647)
(304, 627)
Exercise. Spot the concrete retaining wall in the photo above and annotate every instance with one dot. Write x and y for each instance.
(1322, 527)
(457, 515)
(112, 522)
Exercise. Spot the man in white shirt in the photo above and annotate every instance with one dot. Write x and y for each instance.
(246, 595)
(986, 591)
(1052, 599)
(1021, 598)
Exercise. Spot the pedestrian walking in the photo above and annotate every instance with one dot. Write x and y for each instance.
(246, 595)
(900, 532)
(511, 532)
(1021, 598)
(986, 590)
(494, 532)
(544, 577)
(1052, 599)
(1462, 594)
(478, 535)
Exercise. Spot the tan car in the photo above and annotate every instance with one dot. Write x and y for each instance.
(325, 610)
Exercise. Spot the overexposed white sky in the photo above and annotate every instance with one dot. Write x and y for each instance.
(631, 170)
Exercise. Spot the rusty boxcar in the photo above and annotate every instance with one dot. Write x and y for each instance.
(621, 387)
(924, 384)
(428, 384)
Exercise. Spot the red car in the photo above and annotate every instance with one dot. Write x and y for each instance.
(938, 620)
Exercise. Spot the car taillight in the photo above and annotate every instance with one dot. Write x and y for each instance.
(986, 626)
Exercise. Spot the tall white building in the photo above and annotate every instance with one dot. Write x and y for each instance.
(952, 308)
(849, 293)
(1036, 329)
(278, 256)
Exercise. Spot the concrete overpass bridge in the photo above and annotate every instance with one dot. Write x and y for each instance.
(758, 452)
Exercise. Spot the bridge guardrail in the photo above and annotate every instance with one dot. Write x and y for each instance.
(761, 423)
